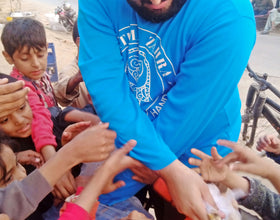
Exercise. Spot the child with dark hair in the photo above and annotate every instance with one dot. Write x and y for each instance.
(26, 48)
(14, 185)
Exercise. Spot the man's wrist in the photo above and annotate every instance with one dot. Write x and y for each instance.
(172, 170)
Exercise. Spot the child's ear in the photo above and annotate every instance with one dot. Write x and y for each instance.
(8, 57)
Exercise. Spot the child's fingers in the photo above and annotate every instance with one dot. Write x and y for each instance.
(199, 153)
(128, 146)
(114, 186)
(215, 154)
(231, 157)
(194, 162)
(104, 125)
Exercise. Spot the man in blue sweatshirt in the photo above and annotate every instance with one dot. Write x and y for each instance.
(165, 72)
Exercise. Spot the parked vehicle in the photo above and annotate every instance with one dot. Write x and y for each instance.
(67, 15)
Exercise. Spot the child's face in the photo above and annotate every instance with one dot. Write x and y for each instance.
(18, 123)
(31, 63)
(14, 170)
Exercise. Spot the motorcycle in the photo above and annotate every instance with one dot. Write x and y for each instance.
(67, 16)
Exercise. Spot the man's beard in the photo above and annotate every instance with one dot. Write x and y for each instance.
(157, 16)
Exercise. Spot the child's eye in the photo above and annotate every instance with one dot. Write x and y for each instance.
(40, 55)
(22, 107)
(4, 120)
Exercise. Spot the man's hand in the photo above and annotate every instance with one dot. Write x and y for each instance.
(30, 157)
(12, 96)
(188, 190)
(73, 130)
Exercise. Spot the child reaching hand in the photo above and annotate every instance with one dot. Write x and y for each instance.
(269, 143)
(257, 196)
(25, 47)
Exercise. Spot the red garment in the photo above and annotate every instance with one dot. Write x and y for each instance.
(74, 212)
(69, 209)
(42, 125)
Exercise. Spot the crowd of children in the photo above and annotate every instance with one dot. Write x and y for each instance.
(33, 131)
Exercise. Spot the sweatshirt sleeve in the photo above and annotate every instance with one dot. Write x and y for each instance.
(42, 125)
(73, 212)
(20, 198)
(109, 88)
(262, 200)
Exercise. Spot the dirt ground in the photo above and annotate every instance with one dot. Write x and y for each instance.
(64, 47)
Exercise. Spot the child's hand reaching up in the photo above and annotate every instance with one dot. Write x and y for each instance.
(217, 169)
(269, 143)
(73, 130)
(209, 167)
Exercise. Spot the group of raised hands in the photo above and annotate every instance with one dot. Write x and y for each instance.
(220, 170)
(214, 168)
(80, 138)
(82, 143)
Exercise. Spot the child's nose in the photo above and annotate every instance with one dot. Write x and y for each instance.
(18, 119)
(35, 61)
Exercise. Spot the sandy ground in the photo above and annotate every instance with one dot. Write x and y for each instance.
(64, 47)
(66, 50)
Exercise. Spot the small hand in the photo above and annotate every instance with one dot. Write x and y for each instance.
(65, 187)
(209, 169)
(269, 143)
(248, 160)
(30, 157)
(73, 130)
(98, 142)
(12, 96)
(116, 163)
